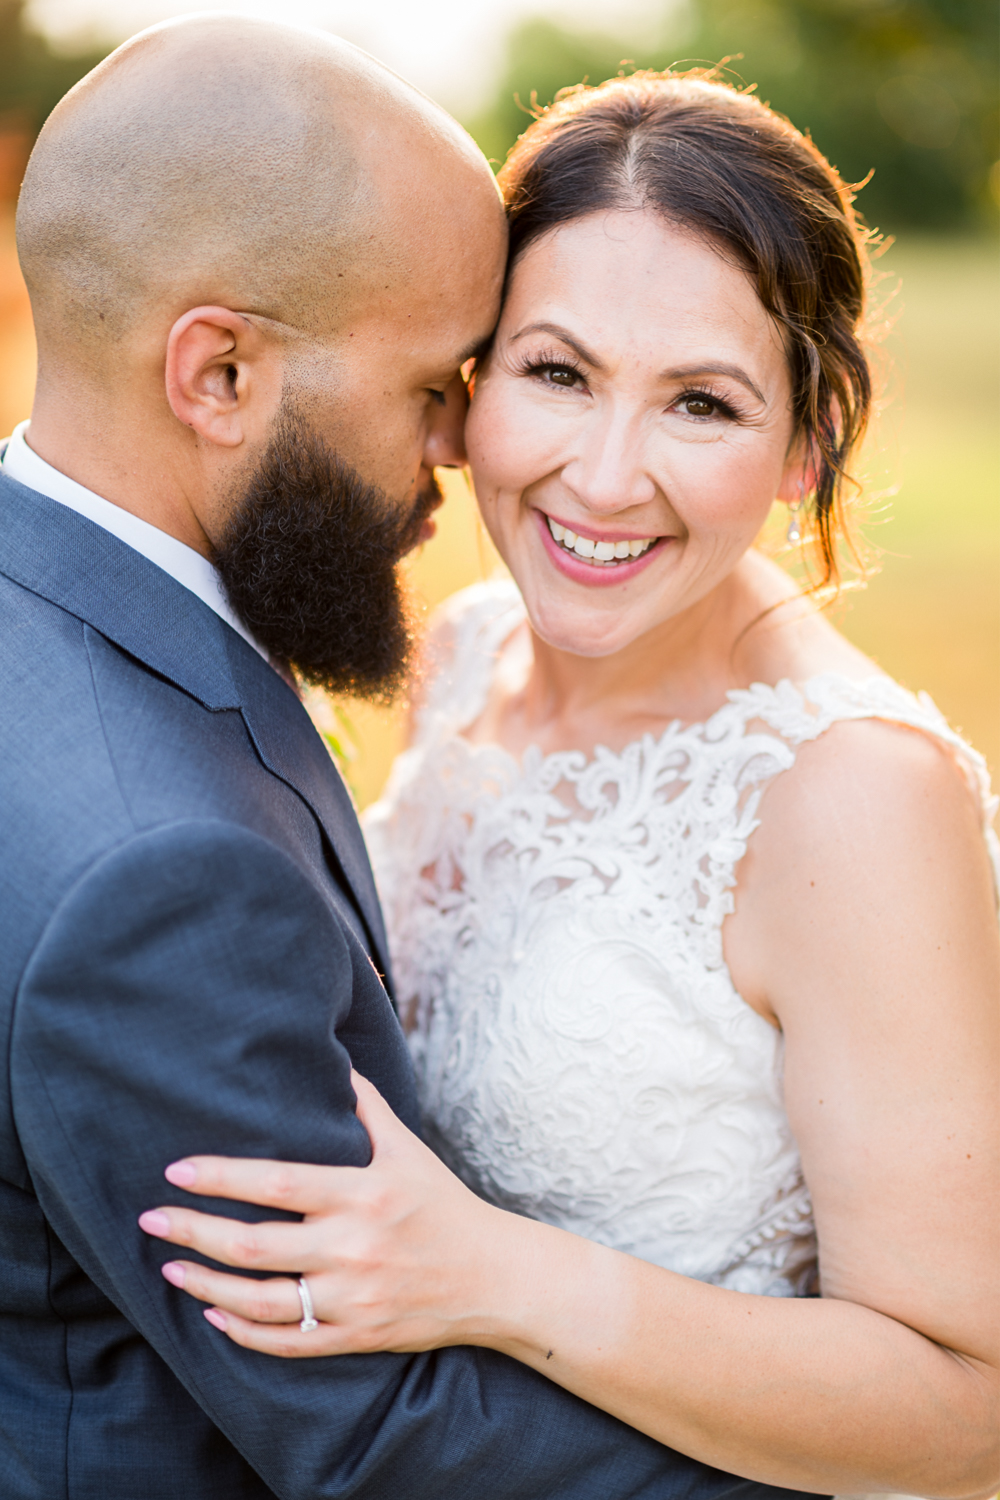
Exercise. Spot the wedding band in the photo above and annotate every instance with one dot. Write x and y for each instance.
(308, 1316)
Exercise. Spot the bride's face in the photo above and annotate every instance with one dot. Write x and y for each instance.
(630, 429)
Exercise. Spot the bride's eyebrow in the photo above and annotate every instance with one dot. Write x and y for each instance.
(693, 372)
(681, 372)
(564, 337)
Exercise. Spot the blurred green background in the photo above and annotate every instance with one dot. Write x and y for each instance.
(906, 90)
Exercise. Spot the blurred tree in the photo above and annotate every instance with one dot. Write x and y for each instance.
(908, 88)
(33, 77)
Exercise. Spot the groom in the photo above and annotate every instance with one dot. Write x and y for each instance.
(256, 262)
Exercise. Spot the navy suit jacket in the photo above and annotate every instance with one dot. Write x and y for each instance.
(190, 958)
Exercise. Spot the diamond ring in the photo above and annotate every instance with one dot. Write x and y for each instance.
(308, 1315)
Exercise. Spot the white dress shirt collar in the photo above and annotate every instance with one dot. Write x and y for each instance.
(185, 565)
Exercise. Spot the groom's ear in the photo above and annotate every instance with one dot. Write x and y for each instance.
(222, 379)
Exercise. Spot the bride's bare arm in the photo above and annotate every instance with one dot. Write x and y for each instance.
(866, 922)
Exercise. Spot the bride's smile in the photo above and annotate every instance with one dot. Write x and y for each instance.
(598, 550)
(630, 428)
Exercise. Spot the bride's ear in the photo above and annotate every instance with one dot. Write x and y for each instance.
(220, 375)
(801, 472)
(803, 463)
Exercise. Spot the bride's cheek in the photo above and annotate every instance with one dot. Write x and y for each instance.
(493, 510)
(499, 434)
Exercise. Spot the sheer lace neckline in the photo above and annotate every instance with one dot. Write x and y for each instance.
(487, 630)
(675, 731)
(482, 620)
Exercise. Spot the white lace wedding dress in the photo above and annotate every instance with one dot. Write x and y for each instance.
(581, 1052)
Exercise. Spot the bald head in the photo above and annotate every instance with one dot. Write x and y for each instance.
(223, 160)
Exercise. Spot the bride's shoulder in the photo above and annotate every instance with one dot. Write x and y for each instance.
(858, 740)
(851, 725)
(879, 780)
(874, 768)
(884, 814)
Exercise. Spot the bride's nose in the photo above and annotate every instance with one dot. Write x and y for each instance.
(607, 468)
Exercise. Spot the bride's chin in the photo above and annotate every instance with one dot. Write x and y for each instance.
(589, 633)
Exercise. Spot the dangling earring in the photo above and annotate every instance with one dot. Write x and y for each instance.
(794, 532)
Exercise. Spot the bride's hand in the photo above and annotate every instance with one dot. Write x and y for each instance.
(397, 1255)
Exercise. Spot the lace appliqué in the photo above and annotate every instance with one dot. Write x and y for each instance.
(581, 1052)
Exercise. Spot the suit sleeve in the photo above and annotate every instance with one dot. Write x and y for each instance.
(187, 997)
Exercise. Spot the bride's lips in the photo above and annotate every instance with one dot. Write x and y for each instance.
(585, 572)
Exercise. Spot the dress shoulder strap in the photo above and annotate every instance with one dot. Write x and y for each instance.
(799, 713)
(465, 636)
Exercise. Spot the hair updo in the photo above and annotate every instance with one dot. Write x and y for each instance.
(717, 161)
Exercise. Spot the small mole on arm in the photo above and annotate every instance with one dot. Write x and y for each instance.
(549, 1355)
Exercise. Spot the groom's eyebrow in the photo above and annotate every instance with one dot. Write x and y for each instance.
(475, 350)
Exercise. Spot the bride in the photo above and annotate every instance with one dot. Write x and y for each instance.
(690, 905)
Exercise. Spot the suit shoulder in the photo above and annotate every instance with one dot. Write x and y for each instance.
(54, 763)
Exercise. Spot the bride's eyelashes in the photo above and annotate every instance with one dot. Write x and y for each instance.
(552, 369)
(556, 371)
(705, 406)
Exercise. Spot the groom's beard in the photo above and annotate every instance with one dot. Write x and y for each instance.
(309, 562)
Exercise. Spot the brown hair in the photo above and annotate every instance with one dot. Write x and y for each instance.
(719, 162)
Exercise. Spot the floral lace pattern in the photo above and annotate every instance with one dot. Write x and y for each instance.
(582, 1054)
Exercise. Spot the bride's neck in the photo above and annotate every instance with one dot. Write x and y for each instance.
(680, 670)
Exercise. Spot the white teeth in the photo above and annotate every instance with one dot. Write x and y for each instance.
(597, 552)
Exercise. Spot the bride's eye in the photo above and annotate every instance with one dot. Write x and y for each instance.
(565, 377)
(561, 375)
(701, 406)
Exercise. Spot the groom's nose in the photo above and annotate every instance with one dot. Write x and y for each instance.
(445, 446)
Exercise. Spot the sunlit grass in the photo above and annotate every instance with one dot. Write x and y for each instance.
(931, 616)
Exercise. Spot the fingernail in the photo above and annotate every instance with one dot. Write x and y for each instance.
(181, 1174)
(174, 1273)
(153, 1222)
(216, 1319)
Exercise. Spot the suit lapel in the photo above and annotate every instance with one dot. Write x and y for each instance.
(62, 556)
(290, 746)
